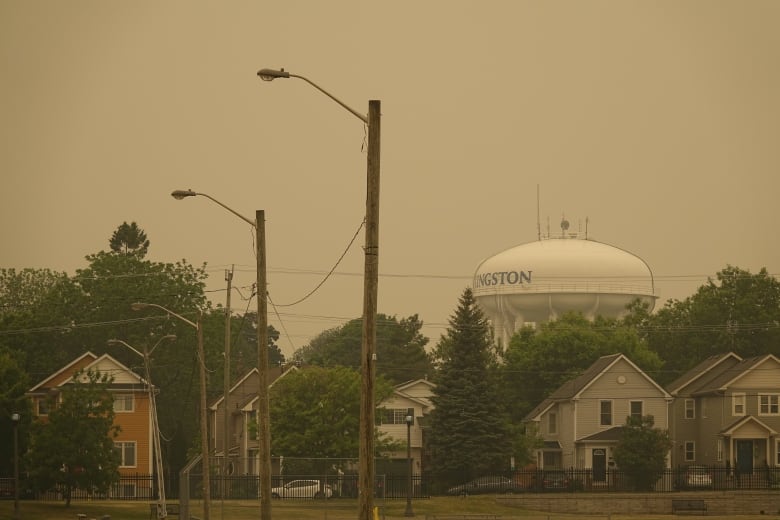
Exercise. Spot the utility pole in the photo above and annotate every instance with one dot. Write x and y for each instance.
(263, 421)
(226, 429)
(368, 350)
(204, 424)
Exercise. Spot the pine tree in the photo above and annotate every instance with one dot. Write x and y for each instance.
(470, 434)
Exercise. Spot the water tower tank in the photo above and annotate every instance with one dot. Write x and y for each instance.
(539, 281)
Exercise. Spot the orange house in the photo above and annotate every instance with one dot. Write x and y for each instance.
(132, 415)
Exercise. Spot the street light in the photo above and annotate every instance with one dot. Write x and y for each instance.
(263, 413)
(409, 422)
(162, 511)
(15, 417)
(204, 431)
(370, 284)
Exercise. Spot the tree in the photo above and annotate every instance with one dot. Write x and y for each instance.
(129, 239)
(538, 361)
(737, 312)
(315, 414)
(400, 348)
(642, 451)
(13, 384)
(74, 448)
(469, 429)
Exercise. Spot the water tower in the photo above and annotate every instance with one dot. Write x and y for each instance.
(539, 281)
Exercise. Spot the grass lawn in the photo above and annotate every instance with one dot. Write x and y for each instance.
(341, 509)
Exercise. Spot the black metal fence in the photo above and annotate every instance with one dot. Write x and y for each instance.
(304, 487)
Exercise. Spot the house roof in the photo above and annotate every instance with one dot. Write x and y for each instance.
(610, 434)
(730, 376)
(697, 376)
(274, 373)
(742, 421)
(124, 378)
(573, 388)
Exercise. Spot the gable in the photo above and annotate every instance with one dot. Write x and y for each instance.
(622, 380)
(65, 374)
(122, 375)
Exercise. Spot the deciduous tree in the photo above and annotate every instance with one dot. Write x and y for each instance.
(74, 447)
(642, 451)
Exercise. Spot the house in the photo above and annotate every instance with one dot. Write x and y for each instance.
(391, 418)
(581, 422)
(727, 411)
(132, 415)
(242, 423)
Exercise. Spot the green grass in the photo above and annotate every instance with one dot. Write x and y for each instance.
(341, 509)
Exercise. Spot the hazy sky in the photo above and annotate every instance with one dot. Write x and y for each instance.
(659, 122)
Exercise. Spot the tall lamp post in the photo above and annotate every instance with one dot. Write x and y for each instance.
(162, 511)
(409, 422)
(15, 417)
(370, 285)
(204, 430)
(263, 413)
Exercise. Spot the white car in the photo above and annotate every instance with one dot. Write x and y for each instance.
(302, 489)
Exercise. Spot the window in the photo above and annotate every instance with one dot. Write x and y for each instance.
(606, 413)
(738, 404)
(124, 403)
(777, 453)
(635, 409)
(43, 406)
(126, 451)
(768, 404)
(552, 423)
(690, 409)
(690, 451)
(394, 416)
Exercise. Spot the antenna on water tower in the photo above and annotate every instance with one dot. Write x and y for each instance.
(538, 223)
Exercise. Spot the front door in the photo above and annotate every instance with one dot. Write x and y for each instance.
(599, 465)
(745, 456)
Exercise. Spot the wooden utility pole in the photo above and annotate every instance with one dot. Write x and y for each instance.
(204, 423)
(368, 350)
(226, 426)
(263, 414)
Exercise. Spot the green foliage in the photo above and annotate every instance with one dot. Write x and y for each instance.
(641, 452)
(400, 348)
(13, 384)
(74, 447)
(738, 312)
(129, 239)
(469, 431)
(537, 362)
(315, 413)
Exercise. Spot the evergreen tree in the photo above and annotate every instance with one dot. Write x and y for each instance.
(470, 434)
(129, 239)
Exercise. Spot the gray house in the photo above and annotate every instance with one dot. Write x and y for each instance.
(727, 411)
(580, 423)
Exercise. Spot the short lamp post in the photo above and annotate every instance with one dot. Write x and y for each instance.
(204, 430)
(162, 511)
(15, 417)
(366, 469)
(409, 422)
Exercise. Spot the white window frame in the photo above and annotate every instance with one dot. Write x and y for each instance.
(602, 415)
(641, 409)
(552, 423)
(777, 452)
(738, 402)
(122, 446)
(690, 451)
(691, 409)
(768, 404)
(124, 399)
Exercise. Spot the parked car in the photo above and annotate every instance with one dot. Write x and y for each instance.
(302, 489)
(551, 480)
(487, 484)
(698, 477)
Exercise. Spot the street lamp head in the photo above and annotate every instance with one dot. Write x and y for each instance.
(138, 306)
(15, 417)
(112, 342)
(180, 194)
(272, 74)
